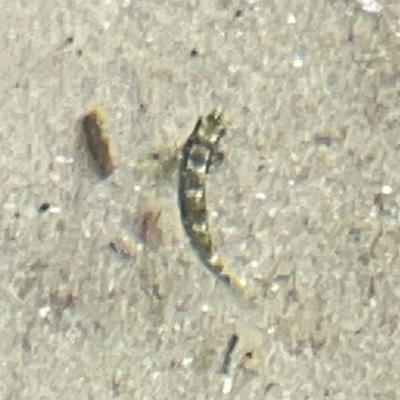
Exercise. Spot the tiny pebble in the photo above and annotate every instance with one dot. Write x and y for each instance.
(274, 287)
(286, 395)
(187, 360)
(44, 312)
(111, 286)
(386, 189)
(254, 264)
(271, 330)
(139, 247)
(278, 282)
(205, 308)
(261, 196)
(298, 61)
(291, 19)
(54, 176)
(371, 6)
(243, 282)
(272, 212)
(9, 206)
(64, 160)
(228, 383)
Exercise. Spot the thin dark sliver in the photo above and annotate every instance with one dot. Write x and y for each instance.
(228, 354)
(98, 142)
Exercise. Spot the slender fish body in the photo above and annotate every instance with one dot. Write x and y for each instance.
(199, 153)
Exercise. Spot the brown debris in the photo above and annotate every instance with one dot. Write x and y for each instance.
(147, 229)
(60, 303)
(124, 246)
(98, 141)
(52, 312)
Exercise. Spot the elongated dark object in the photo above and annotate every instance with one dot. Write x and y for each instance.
(98, 142)
(199, 153)
(228, 354)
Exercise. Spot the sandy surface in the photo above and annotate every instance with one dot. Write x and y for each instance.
(305, 206)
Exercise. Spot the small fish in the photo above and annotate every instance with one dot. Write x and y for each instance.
(198, 154)
(98, 141)
(196, 158)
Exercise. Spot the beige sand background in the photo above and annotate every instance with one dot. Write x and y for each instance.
(304, 206)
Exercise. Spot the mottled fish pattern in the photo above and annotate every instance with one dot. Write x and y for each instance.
(198, 154)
